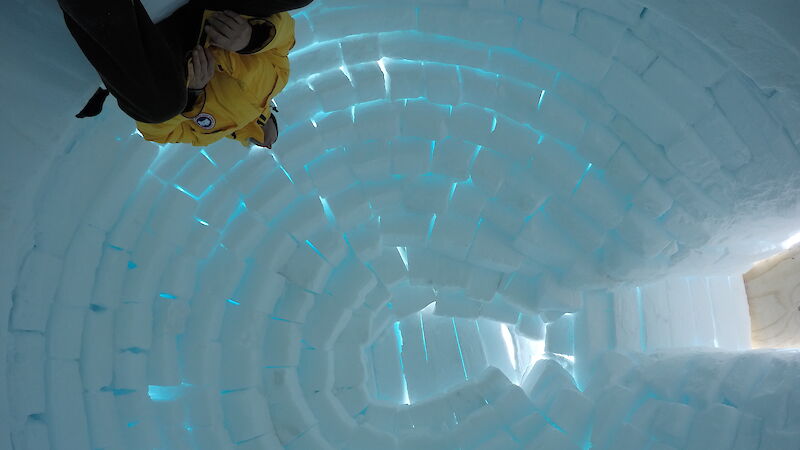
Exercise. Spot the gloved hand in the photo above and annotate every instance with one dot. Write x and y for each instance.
(201, 68)
(229, 31)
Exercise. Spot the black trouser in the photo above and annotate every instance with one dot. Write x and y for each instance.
(143, 64)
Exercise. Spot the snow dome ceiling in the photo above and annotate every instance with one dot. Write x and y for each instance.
(450, 176)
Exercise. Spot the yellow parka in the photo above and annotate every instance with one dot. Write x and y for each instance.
(236, 101)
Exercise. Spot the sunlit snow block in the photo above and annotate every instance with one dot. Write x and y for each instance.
(558, 118)
(303, 217)
(172, 216)
(102, 419)
(315, 58)
(311, 439)
(274, 193)
(518, 100)
(297, 103)
(428, 268)
(550, 438)
(217, 205)
(489, 169)
(136, 417)
(478, 426)
(467, 200)
(457, 305)
(714, 427)
(405, 229)
(197, 175)
(133, 325)
(616, 402)
(26, 375)
(441, 83)
(352, 280)
(581, 230)
(211, 437)
(282, 344)
(368, 437)
(479, 91)
(135, 214)
(558, 166)
(378, 297)
(162, 362)
(110, 201)
(326, 320)
(330, 173)
(643, 234)
(559, 337)
(389, 267)
(334, 90)
(572, 412)
(493, 250)
(471, 123)
(366, 240)
(598, 201)
(248, 173)
(274, 251)
(410, 156)
(464, 400)
(542, 241)
(291, 416)
(334, 422)
(671, 423)
(451, 158)
(598, 145)
(522, 291)
(350, 207)
(68, 424)
(544, 381)
(360, 48)
(424, 119)
(427, 194)
(482, 283)
(649, 111)
(528, 427)
(246, 415)
(35, 291)
(369, 159)
(407, 299)
(369, 81)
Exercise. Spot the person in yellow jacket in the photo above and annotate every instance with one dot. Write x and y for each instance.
(206, 72)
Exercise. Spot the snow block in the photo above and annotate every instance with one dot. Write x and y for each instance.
(555, 116)
(326, 320)
(290, 414)
(246, 415)
(424, 119)
(334, 90)
(35, 291)
(546, 379)
(389, 267)
(366, 240)
(427, 268)
(572, 412)
(330, 173)
(648, 111)
(451, 158)
(489, 169)
(410, 156)
(369, 81)
(307, 269)
(441, 83)
(493, 250)
(671, 423)
(272, 195)
(551, 438)
(559, 337)
(513, 64)
(369, 159)
(427, 194)
(542, 241)
(351, 279)
(562, 50)
(714, 428)
(65, 394)
(26, 376)
(350, 207)
(684, 95)
(471, 123)
(405, 229)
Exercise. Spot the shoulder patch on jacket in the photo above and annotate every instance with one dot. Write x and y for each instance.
(205, 121)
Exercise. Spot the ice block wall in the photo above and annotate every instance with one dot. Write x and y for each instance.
(486, 224)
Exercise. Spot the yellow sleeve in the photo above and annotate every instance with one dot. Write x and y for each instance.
(251, 130)
(176, 130)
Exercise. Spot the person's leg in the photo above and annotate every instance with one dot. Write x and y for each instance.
(131, 56)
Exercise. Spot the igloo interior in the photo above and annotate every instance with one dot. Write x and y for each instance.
(487, 224)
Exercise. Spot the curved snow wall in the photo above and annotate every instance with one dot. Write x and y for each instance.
(597, 167)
